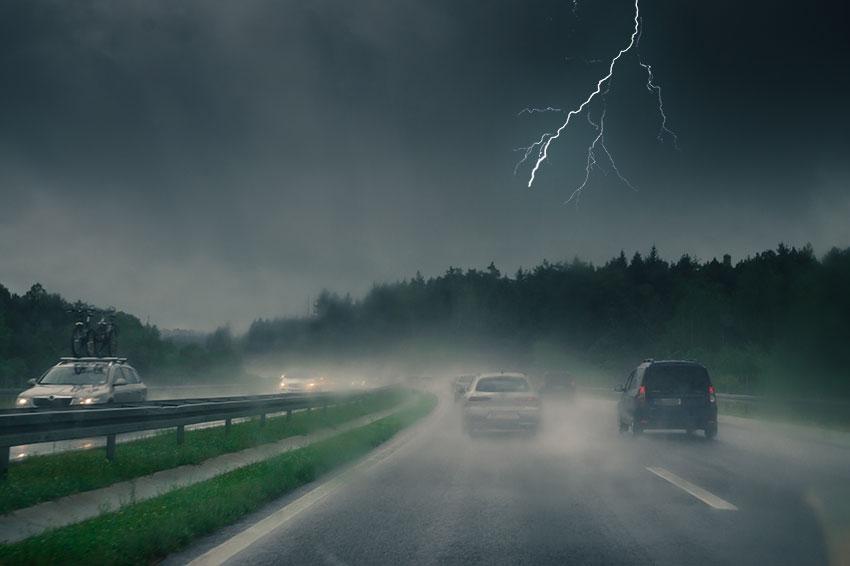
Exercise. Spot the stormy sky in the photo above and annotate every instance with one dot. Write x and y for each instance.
(203, 162)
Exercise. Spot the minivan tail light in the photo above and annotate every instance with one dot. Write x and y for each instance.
(712, 395)
(641, 394)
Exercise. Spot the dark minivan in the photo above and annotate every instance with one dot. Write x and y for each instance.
(668, 394)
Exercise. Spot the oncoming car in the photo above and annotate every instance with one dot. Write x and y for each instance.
(501, 401)
(84, 381)
(669, 394)
(293, 384)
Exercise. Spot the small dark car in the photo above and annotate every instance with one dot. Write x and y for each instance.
(558, 383)
(668, 394)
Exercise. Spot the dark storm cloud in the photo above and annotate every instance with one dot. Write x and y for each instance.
(211, 161)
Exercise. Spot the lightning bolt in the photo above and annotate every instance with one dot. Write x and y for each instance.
(539, 150)
(663, 130)
(592, 160)
(538, 110)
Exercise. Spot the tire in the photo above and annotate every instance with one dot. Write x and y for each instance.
(622, 427)
(78, 342)
(711, 432)
(91, 344)
(636, 429)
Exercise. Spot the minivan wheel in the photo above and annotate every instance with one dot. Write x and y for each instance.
(623, 427)
(636, 429)
(711, 431)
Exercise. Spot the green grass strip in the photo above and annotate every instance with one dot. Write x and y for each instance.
(148, 531)
(44, 478)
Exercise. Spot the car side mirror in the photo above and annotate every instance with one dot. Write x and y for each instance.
(31, 381)
(120, 381)
(619, 389)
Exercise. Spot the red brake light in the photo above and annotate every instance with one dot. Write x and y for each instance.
(641, 392)
(711, 390)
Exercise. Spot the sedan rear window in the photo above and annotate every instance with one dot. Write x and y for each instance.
(502, 385)
(676, 378)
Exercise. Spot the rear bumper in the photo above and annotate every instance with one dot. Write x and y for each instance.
(502, 419)
(656, 418)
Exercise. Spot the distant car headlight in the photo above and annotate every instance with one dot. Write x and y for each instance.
(311, 385)
(90, 400)
(22, 402)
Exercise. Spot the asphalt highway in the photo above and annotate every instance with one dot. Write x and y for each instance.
(578, 493)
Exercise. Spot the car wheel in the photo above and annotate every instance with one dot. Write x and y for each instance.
(711, 431)
(623, 427)
(636, 429)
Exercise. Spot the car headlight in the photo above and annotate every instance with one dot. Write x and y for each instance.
(89, 400)
(22, 402)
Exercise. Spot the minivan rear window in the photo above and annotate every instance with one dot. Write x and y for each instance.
(676, 378)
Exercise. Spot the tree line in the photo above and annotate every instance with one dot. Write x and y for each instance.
(778, 320)
(775, 321)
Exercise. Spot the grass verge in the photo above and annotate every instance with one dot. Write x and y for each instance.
(145, 532)
(829, 418)
(44, 478)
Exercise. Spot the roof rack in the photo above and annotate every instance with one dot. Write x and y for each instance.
(648, 361)
(116, 360)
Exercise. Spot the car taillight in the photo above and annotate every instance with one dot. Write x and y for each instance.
(712, 396)
(641, 394)
(477, 398)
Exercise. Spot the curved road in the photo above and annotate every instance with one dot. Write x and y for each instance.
(577, 494)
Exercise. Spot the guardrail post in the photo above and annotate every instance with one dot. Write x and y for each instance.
(4, 460)
(110, 447)
(227, 423)
(181, 434)
(262, 419)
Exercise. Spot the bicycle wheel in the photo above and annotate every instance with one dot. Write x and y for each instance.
(110, 345)
(78, 342)
(91, 344)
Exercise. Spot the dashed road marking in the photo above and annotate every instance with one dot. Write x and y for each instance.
(703, 495)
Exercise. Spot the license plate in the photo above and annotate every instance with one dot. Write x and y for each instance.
(503, 416)
(668, 402)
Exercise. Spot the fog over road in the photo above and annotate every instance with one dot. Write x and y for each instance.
(578, 493)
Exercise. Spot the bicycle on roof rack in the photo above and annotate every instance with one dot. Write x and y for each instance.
(94, 339)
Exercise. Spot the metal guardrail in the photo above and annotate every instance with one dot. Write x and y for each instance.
(758, 399)
(30, 426)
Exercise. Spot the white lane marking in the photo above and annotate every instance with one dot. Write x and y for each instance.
(705, 496)
(239, 542)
